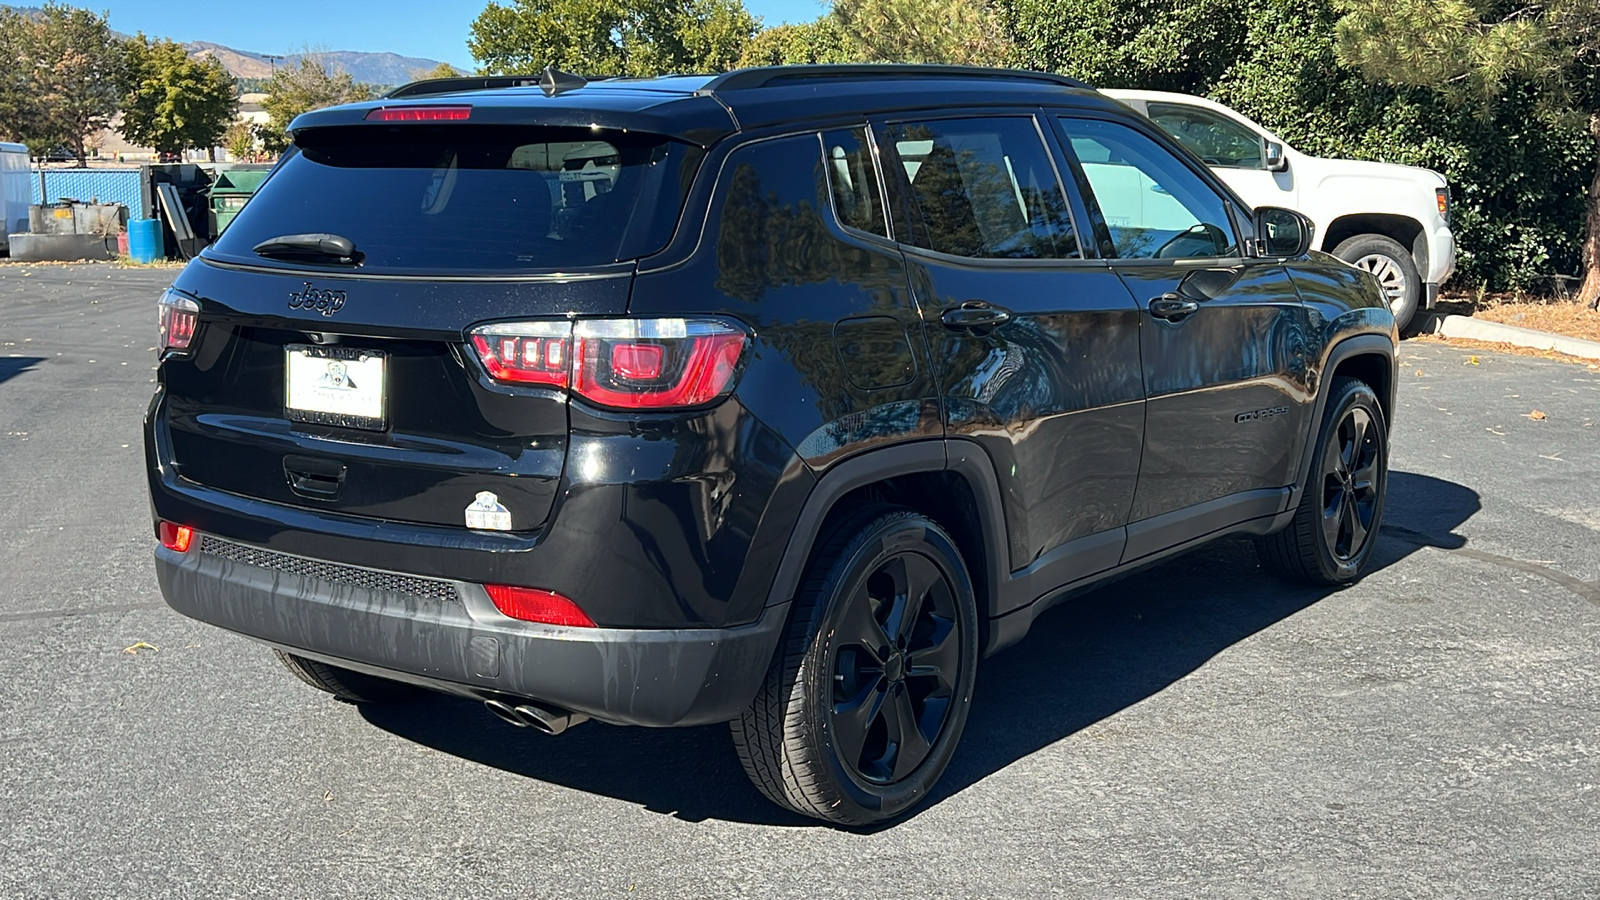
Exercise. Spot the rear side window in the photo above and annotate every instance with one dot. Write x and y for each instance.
(854, 181)
(473, 199)
(984, 189)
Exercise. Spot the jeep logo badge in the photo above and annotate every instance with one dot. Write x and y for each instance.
(309, 298)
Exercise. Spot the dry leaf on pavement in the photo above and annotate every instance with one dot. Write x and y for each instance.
(140, 645)
(1536, 415)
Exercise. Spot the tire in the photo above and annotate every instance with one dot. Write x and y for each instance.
(817, 738)
(1335, 527)
(354, 687)
(1395, 270)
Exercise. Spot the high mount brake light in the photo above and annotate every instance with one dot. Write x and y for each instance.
(617, 363)
(178, 318)
(420, 114)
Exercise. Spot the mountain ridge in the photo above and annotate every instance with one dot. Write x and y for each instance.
(375, 68)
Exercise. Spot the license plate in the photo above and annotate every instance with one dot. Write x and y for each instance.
(341, 386)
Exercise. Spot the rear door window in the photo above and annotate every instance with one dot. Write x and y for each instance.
(983, 189)
(473, 199)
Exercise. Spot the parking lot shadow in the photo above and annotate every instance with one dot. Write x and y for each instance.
(12, 366)
(1085, 660)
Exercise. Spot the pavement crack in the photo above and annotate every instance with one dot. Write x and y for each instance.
(1586, 590)
(69, 613)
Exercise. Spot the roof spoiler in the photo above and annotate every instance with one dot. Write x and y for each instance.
(552, 81)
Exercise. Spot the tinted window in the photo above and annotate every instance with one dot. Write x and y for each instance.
(984, 188)
(473, 198)
(1218, 140)
(1155, 206)
(854, 180)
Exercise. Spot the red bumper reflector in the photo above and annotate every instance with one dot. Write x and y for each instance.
(420, 114)
(534, 605)
(176, 537)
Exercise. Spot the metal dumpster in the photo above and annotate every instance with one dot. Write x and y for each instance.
(230, 191)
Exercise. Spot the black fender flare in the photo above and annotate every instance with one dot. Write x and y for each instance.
(963, 457)
(1353, 346)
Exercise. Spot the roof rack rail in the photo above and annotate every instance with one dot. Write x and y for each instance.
(768, 76)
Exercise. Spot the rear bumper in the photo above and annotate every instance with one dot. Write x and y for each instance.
(449, 637)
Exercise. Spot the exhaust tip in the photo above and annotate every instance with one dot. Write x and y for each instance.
(551, 720)
(505, 713)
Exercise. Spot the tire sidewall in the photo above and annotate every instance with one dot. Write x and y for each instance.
(882, 539)
(1354, 394)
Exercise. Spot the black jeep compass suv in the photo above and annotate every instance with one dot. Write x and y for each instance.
(777, 398)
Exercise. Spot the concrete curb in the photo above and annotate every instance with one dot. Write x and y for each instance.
(1481, 330)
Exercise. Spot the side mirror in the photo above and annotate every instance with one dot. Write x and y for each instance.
(1281, 233)
(1272, 154)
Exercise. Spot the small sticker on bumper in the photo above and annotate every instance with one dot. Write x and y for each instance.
(487, 514)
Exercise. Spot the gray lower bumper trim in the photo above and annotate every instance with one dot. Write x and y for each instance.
(466, 647)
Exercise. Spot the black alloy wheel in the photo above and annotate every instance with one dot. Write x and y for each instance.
(1331, 538)
(869, 690)
(897, 662)
(1350, 480)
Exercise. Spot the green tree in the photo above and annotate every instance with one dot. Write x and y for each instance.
(240, 140)
(442, 70)
(63, 76)
(1482, 55)
(610, 37)
(174, 102)
(1170, 45)
(305, 85)
(963, 32)
(819, 41)
(21, 115)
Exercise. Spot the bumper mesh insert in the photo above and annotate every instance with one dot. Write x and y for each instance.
(371, 579)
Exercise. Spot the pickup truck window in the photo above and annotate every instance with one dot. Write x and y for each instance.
(1217, 140)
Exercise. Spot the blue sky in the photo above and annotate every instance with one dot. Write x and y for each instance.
(436, 29)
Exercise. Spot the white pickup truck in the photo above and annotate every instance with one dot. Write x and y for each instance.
(1393, 221)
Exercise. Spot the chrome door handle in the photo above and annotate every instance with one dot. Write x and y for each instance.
(1172, 307)
(975, 314)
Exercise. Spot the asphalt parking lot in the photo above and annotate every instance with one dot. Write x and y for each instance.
(1199, 730)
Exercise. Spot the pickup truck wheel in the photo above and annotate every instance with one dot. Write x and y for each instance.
(1335, 528)
(1394, 268)
(869, 691)
(355, 687)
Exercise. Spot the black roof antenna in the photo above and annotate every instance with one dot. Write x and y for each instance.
(554, 81)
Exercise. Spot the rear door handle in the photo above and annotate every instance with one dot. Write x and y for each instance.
(975, 314)
(1173, 307)
(318, 479)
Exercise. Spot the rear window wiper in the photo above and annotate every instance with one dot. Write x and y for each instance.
(317, 247)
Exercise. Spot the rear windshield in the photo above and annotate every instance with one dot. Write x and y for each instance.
(472, 199)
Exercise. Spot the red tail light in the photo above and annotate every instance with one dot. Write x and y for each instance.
(534, 605)
(618, 363)
(178, 319)
(176, 537)
(420, 114)
(526, 352)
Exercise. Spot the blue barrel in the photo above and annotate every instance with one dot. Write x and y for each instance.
(145, 242)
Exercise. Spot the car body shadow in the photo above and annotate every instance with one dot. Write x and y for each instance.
(12, 366)
(1084, 660)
